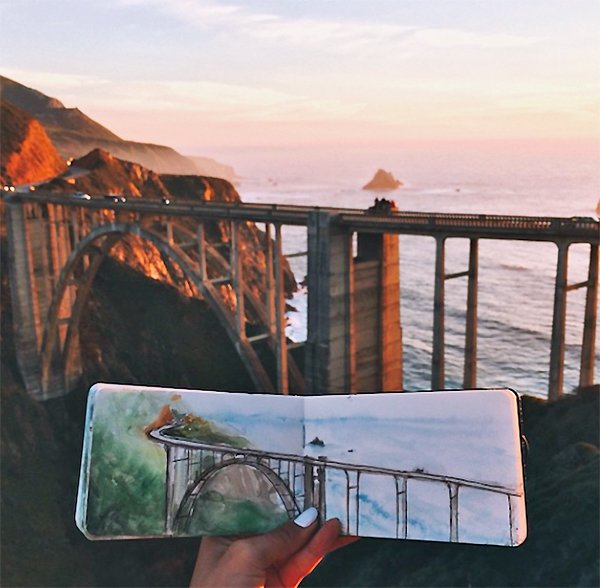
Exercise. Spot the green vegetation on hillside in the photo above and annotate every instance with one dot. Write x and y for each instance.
(198, 429)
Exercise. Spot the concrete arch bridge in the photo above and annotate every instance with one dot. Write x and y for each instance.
(354, 343)
(59, 249)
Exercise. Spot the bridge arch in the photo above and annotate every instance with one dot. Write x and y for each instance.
(192, 497)
(80, 270)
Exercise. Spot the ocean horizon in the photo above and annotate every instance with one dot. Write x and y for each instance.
(516, 279)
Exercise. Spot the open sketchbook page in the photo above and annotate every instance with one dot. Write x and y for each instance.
(434, 466)
(154, 461)
(442, 466)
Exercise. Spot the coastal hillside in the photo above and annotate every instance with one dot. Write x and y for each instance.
(101, 173)
(74, 134)
(27, 154)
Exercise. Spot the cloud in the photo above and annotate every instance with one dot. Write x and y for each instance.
(229, 101)
(219, 101)
(53, 81)
(336, 36)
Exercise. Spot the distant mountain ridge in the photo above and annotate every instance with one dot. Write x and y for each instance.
(52, 113)
(74, 134)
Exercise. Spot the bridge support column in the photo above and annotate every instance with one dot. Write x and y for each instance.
(39, 244)
(438, 351)
(28, 325)
(586, 373)
(470, 371)
(201, 245)
(281, 340)
(329, 354)
(269, 281)
(237, 274)
(557, 343)
(376, 313)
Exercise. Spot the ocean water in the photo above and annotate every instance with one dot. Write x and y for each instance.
(516, 279)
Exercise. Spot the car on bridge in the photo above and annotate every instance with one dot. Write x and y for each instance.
(82, 196)
(166, 201)
(116, 197)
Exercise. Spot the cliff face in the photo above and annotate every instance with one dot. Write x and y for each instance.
(99, 173)
(27, 154)
(52, 112)
(206, 166)
(74, 134)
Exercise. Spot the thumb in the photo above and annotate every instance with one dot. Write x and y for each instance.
(263, 551)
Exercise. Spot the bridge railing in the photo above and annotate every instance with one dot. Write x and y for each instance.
(189, 461)
(298, 214)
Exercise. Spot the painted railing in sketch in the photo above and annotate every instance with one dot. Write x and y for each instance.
(300, 482)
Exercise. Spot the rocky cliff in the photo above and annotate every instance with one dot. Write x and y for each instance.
(74, 134)
(27, 155)
(100, 173)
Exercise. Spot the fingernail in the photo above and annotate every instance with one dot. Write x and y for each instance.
(307, 518)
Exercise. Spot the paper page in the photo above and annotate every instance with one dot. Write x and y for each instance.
(442, 466)
(162, 461)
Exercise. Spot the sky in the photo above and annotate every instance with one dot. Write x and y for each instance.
(197, 74)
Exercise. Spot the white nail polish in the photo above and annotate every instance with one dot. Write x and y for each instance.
(307, 518)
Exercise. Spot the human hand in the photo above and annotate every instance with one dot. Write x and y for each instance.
(280, 558)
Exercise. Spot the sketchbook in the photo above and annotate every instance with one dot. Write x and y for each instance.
(437, 466)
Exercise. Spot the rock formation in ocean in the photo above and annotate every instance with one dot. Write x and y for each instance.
(383, 180)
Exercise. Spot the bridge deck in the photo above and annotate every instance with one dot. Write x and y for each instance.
(158, 435)
(486, 226)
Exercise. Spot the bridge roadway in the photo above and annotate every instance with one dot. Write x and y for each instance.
(482, 226)
(159, 435)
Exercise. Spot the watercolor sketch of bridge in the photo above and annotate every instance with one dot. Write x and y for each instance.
(443, 466)
(300, 482)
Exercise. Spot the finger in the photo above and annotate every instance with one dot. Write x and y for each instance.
(212, 548)
(343, 541)
(263, 551)
(326, 539)
(210, 552)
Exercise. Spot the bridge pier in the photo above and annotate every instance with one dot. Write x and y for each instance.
(25, 309)
(376, 312)
(586, 373)
(438, 347)
(281, 352)
(329, 353)
(470, 369)
(39, 243)
(557, 343)
(354, 336)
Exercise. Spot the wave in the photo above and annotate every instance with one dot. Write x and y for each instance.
(514, 267)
